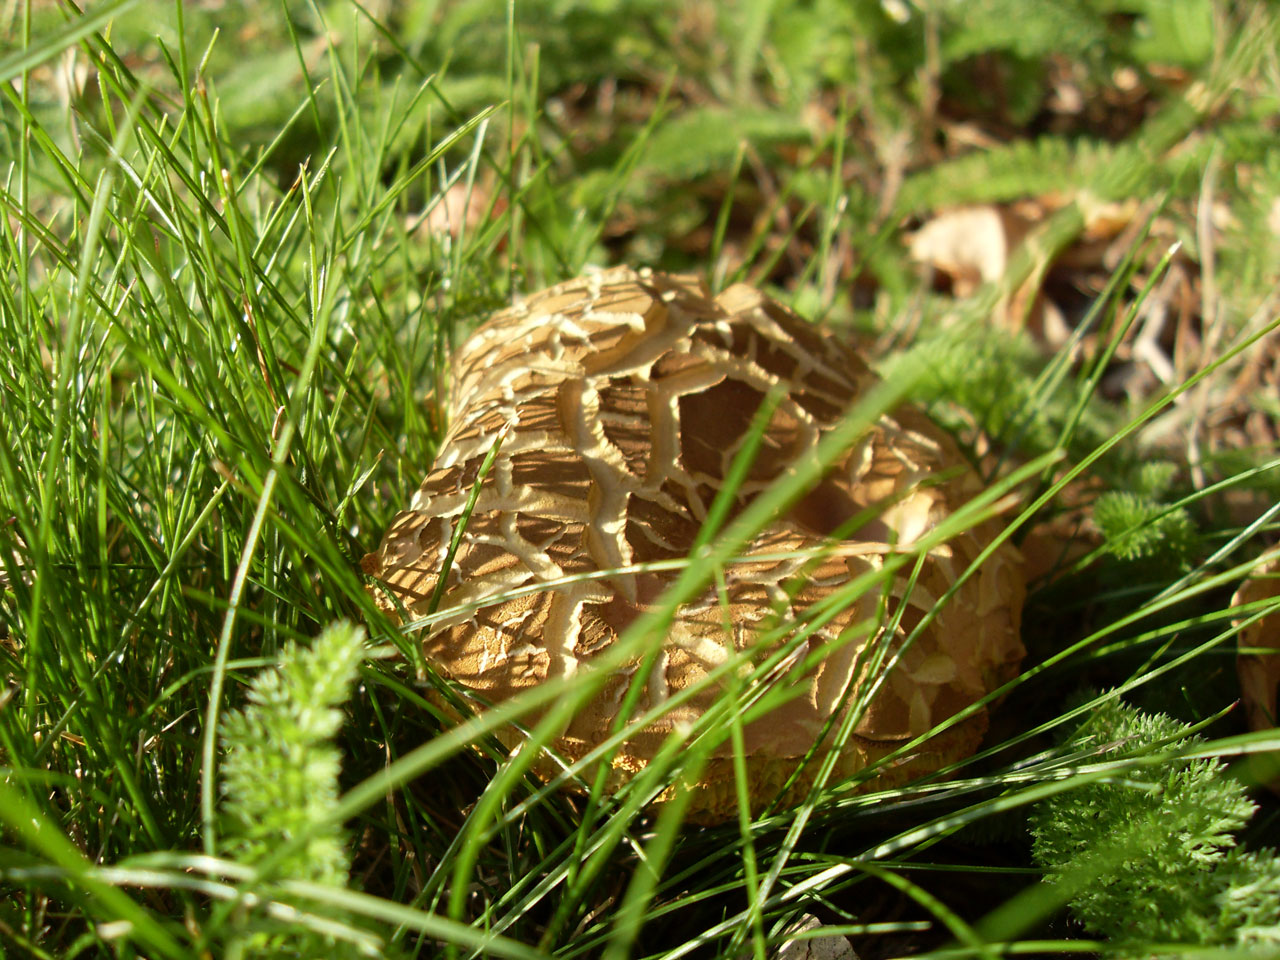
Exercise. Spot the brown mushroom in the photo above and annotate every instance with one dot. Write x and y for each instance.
(627, 396)
(1257, 669)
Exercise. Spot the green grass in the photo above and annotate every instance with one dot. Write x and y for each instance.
(225, 332)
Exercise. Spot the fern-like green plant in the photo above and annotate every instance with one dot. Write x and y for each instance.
(1024, 167)
(990, 380)
(1151, 856)
(280, 782)
(1141, 528)
(1027, 29)
(1138, 523)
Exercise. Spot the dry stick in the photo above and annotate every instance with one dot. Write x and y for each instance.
(1212, 312)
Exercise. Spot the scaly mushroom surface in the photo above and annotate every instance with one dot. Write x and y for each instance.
(627, 396)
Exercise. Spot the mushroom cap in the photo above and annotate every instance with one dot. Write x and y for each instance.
(627, 396)
(1259, 673)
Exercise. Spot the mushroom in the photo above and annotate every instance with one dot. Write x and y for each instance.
(626, 396)
(1258, 664)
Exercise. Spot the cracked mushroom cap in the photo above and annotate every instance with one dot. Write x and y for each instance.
(628, 395)
(1258, 670)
